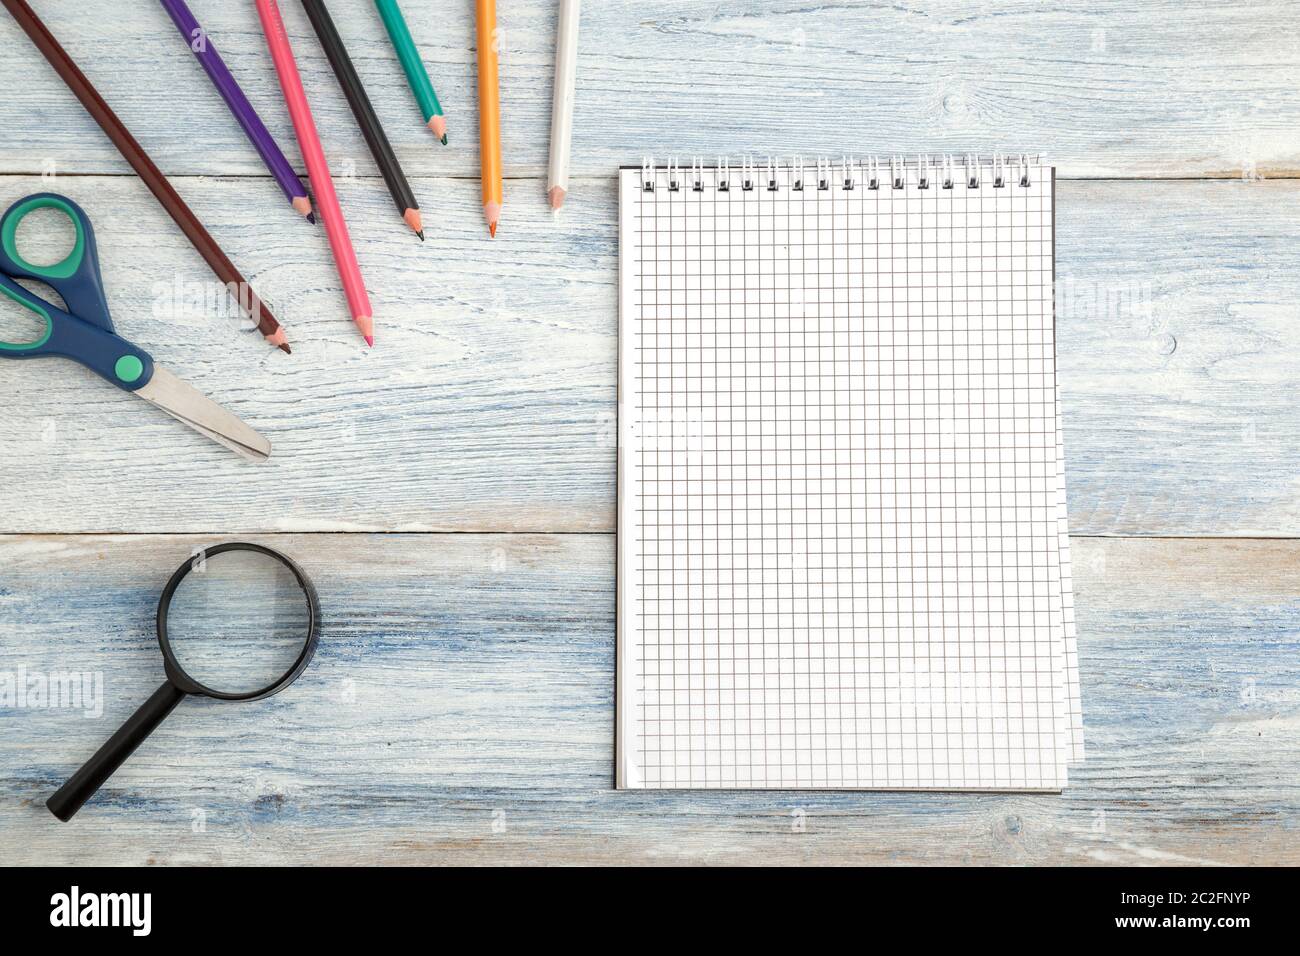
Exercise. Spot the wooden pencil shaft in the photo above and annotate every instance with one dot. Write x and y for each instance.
(318, 170)
(409, 56)
(371, 129)
(240, 108)
(566, 67)
(144, 167)
(489, 98)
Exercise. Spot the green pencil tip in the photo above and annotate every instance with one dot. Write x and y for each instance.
(444, 139)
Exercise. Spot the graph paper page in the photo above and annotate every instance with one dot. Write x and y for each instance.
(841, 498)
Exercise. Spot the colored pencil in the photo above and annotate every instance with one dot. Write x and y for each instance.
(566, 68)
(413, 65)
(200, 45)
(371, 129)
(489, 111)
(318, 170)
(144, 167)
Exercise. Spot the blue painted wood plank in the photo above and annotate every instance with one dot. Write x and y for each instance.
(460, 710)
(489, 401)
(1107, 88)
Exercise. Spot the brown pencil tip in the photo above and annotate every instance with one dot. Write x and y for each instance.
(557, 197)
(278, 339)
(284, 347)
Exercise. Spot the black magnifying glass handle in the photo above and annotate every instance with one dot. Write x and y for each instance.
(83, 784)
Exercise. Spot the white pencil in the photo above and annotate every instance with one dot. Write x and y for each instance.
(566, 65)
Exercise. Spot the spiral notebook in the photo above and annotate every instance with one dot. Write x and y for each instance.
(843, 552)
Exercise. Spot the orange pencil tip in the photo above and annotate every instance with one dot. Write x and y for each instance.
(492, 213)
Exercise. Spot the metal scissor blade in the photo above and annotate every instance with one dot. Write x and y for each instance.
(187, 405)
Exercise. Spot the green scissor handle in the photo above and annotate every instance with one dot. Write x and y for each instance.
(84, 332)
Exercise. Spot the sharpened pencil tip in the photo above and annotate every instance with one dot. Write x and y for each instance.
(444, 141)
(492, 229)
(366, 326)
(557, 194)
(311, 218)
(284, 347)
(412, 217)
(438, 124)
(303, 205)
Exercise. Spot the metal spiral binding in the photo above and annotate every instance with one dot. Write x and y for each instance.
(846, 175)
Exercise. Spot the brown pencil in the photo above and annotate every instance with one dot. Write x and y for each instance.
(134, 154)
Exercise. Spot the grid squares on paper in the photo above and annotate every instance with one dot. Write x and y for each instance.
(842, 523)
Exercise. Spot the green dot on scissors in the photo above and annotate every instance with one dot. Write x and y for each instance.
(128, 368)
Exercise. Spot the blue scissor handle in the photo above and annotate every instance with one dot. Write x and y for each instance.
(85, 334)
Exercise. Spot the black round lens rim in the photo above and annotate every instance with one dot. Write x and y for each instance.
(178, 675)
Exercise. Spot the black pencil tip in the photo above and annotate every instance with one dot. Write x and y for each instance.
(421, 235)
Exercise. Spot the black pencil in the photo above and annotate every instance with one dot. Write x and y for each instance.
(376, 139)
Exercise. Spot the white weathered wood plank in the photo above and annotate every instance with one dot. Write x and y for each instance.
(1107, 88)
(489, 401)
(460, 709)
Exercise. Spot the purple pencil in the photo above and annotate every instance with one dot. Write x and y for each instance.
(201, 46)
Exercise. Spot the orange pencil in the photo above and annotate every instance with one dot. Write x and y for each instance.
(489, 111)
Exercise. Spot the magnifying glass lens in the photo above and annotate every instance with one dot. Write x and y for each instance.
(238, 621)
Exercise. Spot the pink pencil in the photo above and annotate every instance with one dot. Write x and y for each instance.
(318, 170)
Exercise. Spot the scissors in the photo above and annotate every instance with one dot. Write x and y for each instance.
(85, 333)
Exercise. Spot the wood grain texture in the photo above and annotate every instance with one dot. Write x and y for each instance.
(489, 401)
(460, 710)
(1108, 87)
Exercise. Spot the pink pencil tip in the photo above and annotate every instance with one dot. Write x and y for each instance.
(557, 197)
(370, 340)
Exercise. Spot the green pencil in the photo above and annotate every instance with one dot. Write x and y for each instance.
(391, 14)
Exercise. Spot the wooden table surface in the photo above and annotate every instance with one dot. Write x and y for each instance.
(452, 491)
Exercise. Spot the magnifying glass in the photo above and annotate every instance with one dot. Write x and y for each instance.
(236, 622)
